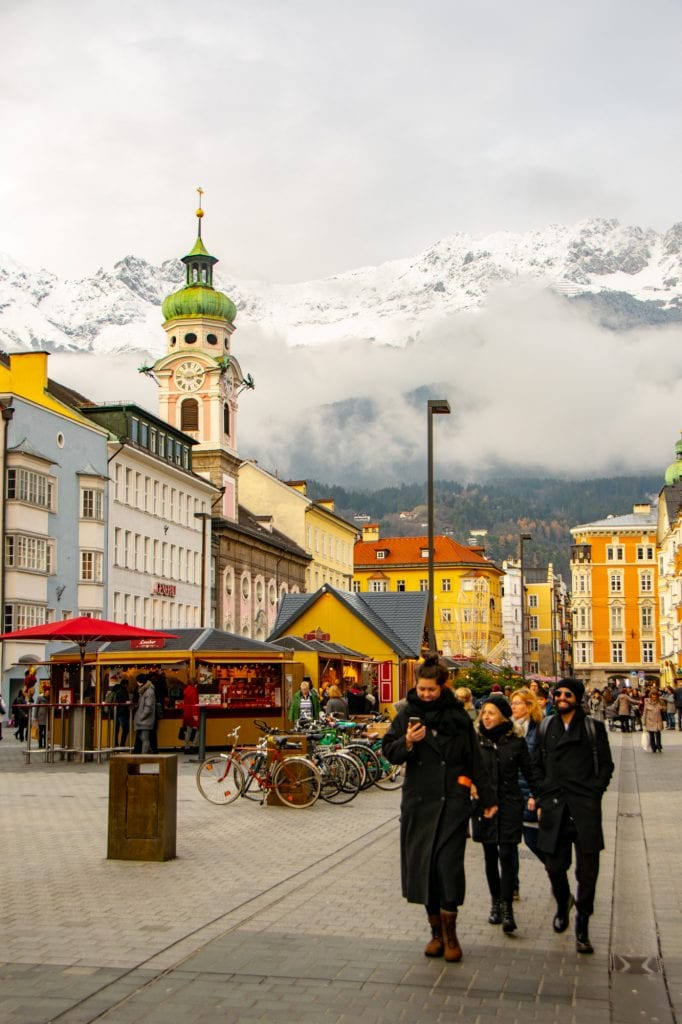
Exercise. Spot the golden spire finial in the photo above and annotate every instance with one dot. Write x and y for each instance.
(200, 212)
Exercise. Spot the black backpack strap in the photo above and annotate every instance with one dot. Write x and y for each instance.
(542, 737)
(591, 730)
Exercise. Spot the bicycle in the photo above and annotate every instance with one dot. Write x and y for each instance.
(295, 781)
(340, 774)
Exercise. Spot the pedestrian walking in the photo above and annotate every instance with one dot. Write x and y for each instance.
(505, 755)
(575, 765)
(595, 705)
(624, 710)
(669, 698)
(677, 693)
(190, 715)
(40, 711)
(527, 716)
(145, 714)
(20, 715)
(652, 720)
(336, 704)
(433, 736)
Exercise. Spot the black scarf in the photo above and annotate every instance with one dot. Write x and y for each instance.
(497, 732)
(445, 714)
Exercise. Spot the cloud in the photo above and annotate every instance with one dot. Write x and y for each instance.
(373, 130)
(534, 385)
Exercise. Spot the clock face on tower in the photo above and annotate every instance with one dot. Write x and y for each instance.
(189, 376)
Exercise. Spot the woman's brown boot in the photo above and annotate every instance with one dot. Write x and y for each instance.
(453, 950)
(435, 947)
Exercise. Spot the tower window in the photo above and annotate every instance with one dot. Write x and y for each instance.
(173, 340)
(226, 419)
(190, 338)
(189, 414)
(211, 339)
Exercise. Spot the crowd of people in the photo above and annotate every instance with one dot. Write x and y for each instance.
(525, 764)
(141, 699)
(343, 699)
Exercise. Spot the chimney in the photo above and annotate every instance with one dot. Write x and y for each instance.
(370, 532)
(642, 509)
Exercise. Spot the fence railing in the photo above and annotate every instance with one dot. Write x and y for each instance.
(77, 731)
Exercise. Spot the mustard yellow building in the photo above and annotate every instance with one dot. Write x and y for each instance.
(386, 628)
(615, 596)
(547, 612)
(312, 524)
(468, 589)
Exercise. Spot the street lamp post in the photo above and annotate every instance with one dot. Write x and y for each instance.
(204, 516)
(435, 406)
(523, 537)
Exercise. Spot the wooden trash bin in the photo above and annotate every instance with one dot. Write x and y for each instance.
(143, 797)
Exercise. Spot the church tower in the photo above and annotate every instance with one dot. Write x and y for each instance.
(199, 378)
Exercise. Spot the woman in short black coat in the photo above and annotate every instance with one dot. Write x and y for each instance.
(434, 737)
(505, 754)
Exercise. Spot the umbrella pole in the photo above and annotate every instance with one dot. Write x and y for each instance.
(82, 684)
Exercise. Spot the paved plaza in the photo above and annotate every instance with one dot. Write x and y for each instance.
(269, 914)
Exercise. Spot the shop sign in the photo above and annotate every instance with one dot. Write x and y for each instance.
(147, 643)
(164, 589)
(318, 635)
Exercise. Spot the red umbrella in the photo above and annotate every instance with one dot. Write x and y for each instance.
(82, 631)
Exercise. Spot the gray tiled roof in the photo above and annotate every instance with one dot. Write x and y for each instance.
(631, 520)
(198, 640)
(672, 495)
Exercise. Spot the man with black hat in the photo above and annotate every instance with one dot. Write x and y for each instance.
(574, 760)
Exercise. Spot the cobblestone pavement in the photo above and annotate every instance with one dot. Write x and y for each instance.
(287, 916)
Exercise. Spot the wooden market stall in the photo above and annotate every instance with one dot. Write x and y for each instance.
(238, 680)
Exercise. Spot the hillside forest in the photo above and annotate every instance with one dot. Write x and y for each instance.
(544, 508)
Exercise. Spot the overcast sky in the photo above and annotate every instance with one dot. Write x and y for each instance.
(328, 136)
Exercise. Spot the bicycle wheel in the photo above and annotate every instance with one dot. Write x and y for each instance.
(220, 779)
(252, 760)
(369, 760)
(392, 775)
(341, 778)
(296, 782)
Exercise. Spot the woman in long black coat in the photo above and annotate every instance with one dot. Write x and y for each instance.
(434, 737)
(505, 754)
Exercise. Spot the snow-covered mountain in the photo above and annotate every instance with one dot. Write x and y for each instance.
(627, 275)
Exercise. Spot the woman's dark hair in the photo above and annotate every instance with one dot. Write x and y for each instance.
(433, 668)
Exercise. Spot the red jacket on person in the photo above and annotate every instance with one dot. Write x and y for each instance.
(190, 706)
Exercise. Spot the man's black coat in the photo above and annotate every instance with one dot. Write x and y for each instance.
(565, 763)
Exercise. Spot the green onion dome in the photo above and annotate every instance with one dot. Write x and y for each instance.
(674, 471)
(196, 300)
(199, 298)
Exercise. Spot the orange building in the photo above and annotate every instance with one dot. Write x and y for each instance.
(615, 596)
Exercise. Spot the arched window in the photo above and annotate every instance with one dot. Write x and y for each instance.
(189, 414)
(226, 419)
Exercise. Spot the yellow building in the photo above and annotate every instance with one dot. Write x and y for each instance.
(312, 524)
(669, 540)
(386, 628)
(546, 623)
(468, 591)
(615, 596)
